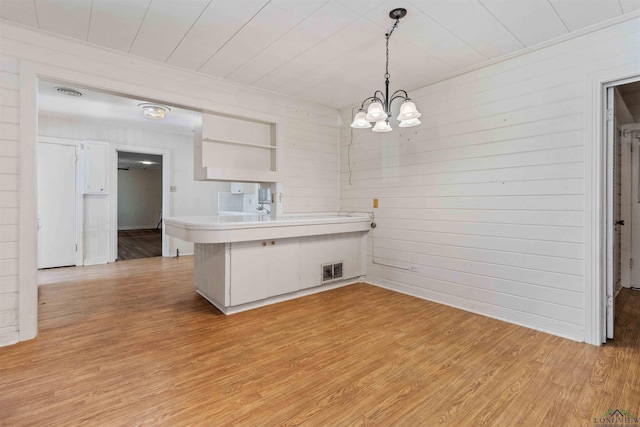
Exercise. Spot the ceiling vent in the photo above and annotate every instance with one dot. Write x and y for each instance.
(69, 91)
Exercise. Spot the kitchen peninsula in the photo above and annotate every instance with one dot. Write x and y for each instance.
(244, 262)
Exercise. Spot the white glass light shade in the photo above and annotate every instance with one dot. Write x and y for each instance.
(409, 123)
(360, 121)
(408, 111)
(382, 126)
(375, 112)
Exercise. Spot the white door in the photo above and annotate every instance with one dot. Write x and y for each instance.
(610, 140)
(56, 197)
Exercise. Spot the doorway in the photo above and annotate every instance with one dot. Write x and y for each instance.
(139, 205)
(623, 193)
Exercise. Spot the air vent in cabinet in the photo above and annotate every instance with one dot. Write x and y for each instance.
(327, 272)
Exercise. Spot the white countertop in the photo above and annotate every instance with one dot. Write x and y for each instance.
(235, 213)
(236, 228)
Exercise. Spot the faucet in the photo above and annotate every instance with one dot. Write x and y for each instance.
(262, 207)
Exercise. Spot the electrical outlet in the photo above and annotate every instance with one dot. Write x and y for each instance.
(173, 188)
(414, 269)
(375, 203)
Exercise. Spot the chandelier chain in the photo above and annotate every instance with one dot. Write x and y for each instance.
(387, 37)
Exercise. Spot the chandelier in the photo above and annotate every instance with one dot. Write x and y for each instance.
(379, 108)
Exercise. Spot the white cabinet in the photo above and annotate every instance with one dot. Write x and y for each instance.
(236, 188)
(96, 158)
(262, 269)
(241, 275)
(283, 273)
(345, 248)
(248, 278)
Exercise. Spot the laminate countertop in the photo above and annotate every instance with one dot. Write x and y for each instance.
(239, 228)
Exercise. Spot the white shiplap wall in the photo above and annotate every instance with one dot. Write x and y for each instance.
(9, 137)
(309, 132)
(486, 199)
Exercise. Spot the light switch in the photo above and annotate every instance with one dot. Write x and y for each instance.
(375, 203)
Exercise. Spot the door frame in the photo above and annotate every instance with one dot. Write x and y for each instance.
(78, 190)
(113, 178)
(597, 176)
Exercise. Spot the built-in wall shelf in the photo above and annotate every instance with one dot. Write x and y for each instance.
(231, 175)
(244, 144)
(236, 149)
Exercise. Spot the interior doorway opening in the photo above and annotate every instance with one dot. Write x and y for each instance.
(623, 192)
(139, 205)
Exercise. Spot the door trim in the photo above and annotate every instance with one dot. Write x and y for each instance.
(113, 178)
(596, 176)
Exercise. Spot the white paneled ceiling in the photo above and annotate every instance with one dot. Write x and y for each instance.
(110, 108)
(327, 51)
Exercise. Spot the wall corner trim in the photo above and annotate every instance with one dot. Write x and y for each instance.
(27, 273)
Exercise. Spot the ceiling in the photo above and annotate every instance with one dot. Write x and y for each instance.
(303, 47)
(110, 108)
(630, 93)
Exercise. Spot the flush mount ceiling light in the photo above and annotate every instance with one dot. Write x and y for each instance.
(380, 103)
(154, 111)
(69, 91)
(147, 162)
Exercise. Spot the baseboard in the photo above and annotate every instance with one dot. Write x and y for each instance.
(173, 254)
(530, 321)
(95, 261)
(138, 227)
(279, 298)
(9, 338)
(618, 288)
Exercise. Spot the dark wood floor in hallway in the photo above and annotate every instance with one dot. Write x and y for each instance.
(135, 244)
(131, 343)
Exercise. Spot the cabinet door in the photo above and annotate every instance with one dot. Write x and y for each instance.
(249, 271)
(264, 268)
(316, 251)
(236, 188)
(284, 266)
(96, 161)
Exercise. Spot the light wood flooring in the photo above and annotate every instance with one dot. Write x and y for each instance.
(135, 244)
(131, 343)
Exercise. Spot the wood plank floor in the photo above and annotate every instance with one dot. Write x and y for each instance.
(135, 244)
(131, 343)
